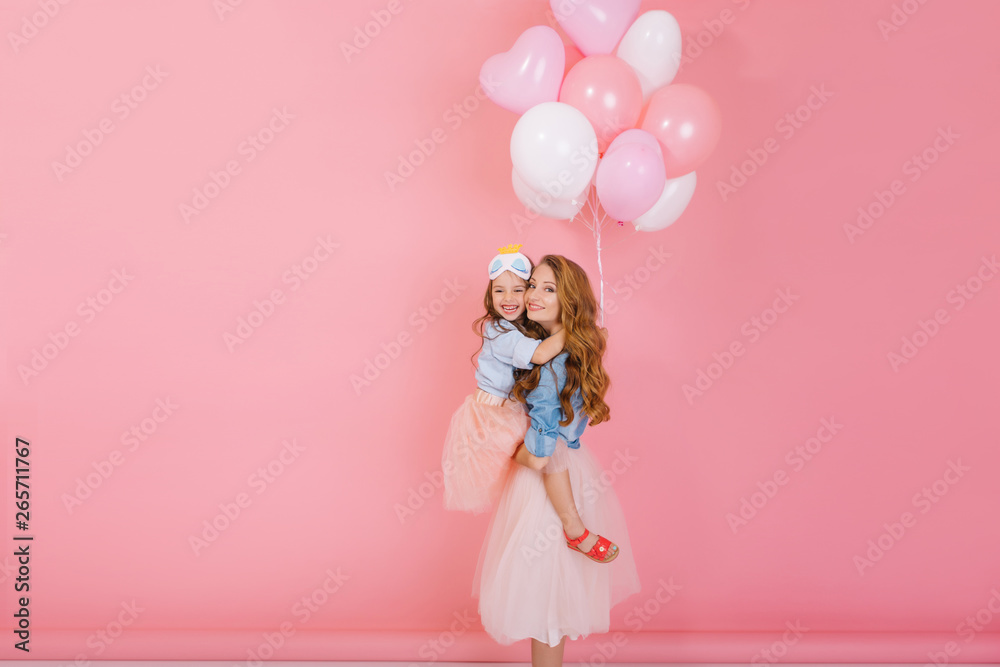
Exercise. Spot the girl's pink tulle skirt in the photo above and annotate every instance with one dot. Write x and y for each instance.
(482, 437)
(529, 583)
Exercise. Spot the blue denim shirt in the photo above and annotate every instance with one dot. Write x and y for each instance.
(545, 411)
(504, 349)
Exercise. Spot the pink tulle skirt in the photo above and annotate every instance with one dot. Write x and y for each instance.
(482, 437)
(529, 583)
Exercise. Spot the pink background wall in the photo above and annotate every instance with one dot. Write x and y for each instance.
(406, 263)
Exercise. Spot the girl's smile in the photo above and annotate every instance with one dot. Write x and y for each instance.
(508, 296)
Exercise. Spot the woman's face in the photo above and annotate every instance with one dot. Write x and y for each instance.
(508, 295)
(542, 299)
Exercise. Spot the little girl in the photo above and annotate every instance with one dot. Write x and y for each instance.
(489, 426)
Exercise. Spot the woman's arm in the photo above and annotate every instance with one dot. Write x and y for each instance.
(544, 412)
(549, 348)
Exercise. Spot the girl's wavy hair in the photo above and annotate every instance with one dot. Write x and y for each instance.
(585, 343)
(492, 316)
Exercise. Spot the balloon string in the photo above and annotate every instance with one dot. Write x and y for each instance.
(598, 224)
(625, 238)
(597, 219)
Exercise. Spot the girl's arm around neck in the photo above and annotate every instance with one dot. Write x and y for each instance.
(549, 348)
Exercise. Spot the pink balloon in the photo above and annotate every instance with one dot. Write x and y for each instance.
(635, 137)
(595, 26)
(529, 73)
(687, 123)
(608, 93)
(629, 180)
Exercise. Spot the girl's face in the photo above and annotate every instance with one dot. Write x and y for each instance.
(543, 300)
(508, 295)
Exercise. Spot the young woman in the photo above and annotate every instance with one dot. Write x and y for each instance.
(488, 427)
(529, 583)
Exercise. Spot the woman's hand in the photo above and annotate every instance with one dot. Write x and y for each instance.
(523, 457)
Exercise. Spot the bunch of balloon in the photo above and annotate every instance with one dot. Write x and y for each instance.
(613, 140)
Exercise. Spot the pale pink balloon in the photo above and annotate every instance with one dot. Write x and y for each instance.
(529, 73)
(595, 26)
(635, 136)
(687, 123)
(608, 93)
(630, 180)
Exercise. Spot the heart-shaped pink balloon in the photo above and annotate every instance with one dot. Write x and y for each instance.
(595, 26)
(529, 73)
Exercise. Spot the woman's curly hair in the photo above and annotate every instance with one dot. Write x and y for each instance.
(585, 343)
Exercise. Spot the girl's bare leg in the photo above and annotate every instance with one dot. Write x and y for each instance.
(523, 457)
(543, 655)
(560, 493)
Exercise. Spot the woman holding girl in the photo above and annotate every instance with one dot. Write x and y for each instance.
(529, 583)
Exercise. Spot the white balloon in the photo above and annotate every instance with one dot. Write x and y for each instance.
(545, 204)
(676, 196)
(652, 46)
(554, 149)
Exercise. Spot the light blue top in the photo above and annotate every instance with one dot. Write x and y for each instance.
(545, 411)
(504, 349)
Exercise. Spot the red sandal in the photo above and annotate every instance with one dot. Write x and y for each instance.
(603, 551)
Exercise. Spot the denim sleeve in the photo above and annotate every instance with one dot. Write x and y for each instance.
(545, 411)
(572, 433)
